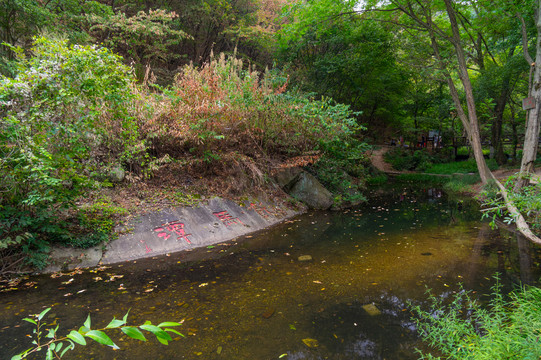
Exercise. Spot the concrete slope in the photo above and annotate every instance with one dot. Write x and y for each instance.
(191, 227)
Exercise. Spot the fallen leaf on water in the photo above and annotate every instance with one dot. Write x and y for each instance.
(67, 282)
(317, 281)
(68, 294)
(203, 284)
(311, 343)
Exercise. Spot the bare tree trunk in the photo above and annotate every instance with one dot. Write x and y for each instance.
(473, 133)
(531, 138)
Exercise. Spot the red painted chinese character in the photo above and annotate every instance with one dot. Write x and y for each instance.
(173, 228)
(227, 219)
(260, 210)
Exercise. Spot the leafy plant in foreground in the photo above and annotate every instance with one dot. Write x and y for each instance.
(466, 329)
(56, 346)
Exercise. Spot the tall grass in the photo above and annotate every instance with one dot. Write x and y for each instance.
(465, 329)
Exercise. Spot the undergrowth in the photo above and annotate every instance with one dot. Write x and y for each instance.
(466, 329)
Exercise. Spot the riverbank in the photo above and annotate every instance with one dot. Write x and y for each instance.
(178, 229)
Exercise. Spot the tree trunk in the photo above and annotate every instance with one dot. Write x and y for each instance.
(473, 133)
(531, 138)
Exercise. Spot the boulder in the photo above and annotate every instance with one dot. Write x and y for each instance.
(308, 190)
(117, 174)
(286, 176)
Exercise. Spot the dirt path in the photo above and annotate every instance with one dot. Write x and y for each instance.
(379, 162)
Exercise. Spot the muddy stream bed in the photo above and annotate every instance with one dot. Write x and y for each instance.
(253, 298)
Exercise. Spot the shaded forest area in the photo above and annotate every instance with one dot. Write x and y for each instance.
(109, 105)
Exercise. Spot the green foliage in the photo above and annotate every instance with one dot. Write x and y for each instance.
(461, 183)
(404, 159)
(527, 202)
(468, 166)
(45, 337)
(144, 37)
(377, 180)
(98, 220)
(62, 116)
(466, 329)
(342, 56)
(343, 169)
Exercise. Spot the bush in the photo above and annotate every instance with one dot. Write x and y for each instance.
(403, 159)
(226, 104)
(343, 169)
(64, 115)
(465, 329)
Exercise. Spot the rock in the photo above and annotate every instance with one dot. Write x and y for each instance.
(311, 343)
(117, 174)
(305, 258)
(287, 175)
(371, 309)
(310, 191)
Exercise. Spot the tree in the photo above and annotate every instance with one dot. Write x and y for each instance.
(531, 138)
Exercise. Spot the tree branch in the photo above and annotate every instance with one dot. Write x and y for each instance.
(525, 40)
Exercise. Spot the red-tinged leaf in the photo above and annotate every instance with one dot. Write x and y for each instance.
(77, 337)
(134, 333)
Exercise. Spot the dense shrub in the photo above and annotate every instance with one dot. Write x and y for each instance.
(226, 104)
(342, 168)
(64, 118)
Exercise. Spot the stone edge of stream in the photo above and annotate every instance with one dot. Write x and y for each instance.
(173, 230)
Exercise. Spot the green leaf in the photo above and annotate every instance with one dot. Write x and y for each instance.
(16, 357)
(102, 338)
(156, 331)
(87, 322)
(32, 321)
(71, 346)
(83, 330)
(49, 355)
(168, 323)
(125, 319)
(163, 341)
(77, 337)
(134, 333)
(42, 314)
(175, 332)
(115, 324)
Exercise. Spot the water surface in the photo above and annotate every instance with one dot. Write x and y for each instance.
(253, 299)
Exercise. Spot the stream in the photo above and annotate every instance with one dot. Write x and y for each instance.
(253, 298)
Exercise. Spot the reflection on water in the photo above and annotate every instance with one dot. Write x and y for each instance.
(254, 299)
